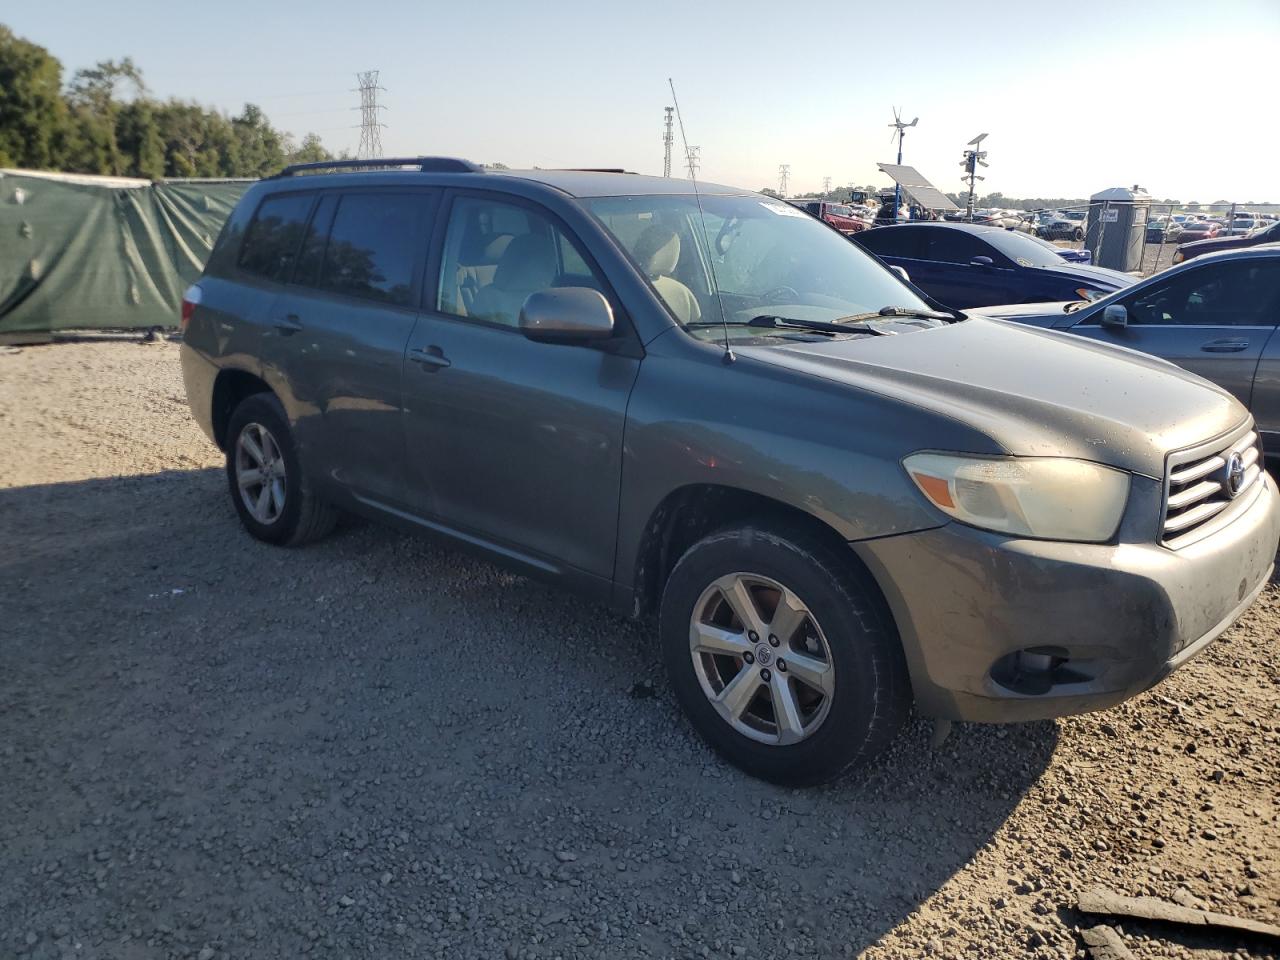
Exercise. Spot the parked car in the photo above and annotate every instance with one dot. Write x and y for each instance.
(827, 521)
(1188, 251)
(1069, 254)
(1199, 230)
(964, 265)
(1068, 226)
(1215, 316)
(838, 215)
(1241, 226)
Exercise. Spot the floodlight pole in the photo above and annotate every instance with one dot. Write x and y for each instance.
(897, 187)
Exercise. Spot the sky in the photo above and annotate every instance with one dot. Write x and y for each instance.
(1179, 96)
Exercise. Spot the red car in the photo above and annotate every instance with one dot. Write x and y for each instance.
(838, 215)
(1221, 241)
(1199, 230)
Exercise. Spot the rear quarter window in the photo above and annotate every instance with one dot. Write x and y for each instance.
(271, 243)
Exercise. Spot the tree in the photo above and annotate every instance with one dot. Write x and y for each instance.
(311, 150)
(33, 116)
(770, 192)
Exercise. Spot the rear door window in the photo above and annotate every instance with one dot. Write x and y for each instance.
(958, 246)
(892, 242)
(375, 243)
(272, 240)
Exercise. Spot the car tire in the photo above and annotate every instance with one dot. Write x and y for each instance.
(277, 505)
(845, 638)
(1078, 235)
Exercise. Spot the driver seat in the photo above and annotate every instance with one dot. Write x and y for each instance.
(658, 252)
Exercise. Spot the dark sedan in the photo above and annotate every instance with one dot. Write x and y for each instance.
(1187, 251)
(1199, 230)
(964, 265)
(1215, 316)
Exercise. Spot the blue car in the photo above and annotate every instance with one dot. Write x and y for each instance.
(964, 265)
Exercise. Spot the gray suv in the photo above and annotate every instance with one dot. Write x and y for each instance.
(710, 407)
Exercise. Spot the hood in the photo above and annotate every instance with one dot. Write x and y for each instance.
(1087, 273)
(1034, 392)
(1039, 314)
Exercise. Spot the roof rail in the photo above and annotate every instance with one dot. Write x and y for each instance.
(424, 164)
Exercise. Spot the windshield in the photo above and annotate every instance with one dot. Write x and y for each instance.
(1024, 249)
(762, 256)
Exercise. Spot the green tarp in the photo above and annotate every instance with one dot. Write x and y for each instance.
(101, 253)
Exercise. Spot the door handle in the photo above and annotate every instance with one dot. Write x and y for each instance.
(1225, 346)
(432, 358)
(287, 325)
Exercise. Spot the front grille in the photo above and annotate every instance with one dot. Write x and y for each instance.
(1206, 488)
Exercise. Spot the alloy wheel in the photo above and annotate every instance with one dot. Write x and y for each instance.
(260, 473)
(761, 659)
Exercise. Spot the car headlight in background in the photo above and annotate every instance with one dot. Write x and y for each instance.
(1088, 293)
(1179, 256)
(1050, 498)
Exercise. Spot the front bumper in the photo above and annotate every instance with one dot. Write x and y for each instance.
(1122, 616)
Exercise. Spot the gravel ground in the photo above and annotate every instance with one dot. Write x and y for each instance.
(378, 747)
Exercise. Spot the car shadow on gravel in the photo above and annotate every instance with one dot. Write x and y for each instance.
(378, 744)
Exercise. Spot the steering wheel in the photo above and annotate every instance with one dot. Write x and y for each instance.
(782, 294)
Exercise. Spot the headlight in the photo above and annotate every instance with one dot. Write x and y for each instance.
(1088, 293)
(1050, 498)
(1179, 257)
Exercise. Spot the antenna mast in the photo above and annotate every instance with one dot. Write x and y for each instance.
(668, 138)
(784, 174)
(370, 129)
(691, 153)
(826, 185)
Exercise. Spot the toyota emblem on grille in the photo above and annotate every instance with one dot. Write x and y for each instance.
(1234, 478)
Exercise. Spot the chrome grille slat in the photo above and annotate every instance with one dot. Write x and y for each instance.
(1191, 494)
(1197, 470)
(1197, 514)
(1197, 498)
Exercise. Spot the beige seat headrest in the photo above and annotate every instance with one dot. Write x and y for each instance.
(658, 251)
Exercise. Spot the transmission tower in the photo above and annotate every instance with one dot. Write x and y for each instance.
(826, 185)
(370, 128)
(784, 174)
(667, 140)
(693, 160)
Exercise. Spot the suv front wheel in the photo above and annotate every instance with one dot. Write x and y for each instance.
(271, 495)
(780, 652)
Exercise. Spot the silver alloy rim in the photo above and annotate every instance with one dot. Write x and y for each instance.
(762, 659)
(260, 473)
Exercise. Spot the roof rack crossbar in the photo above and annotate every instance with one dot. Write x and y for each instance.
(424, 164)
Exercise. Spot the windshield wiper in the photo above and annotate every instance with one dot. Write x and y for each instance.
(842, 325)
(901, 312)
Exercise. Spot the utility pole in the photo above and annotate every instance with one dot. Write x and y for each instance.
(667, 139)
(693, 161)
(900, 131)
(826, 186)
(784, 174)
(370, 128)
(971, 161)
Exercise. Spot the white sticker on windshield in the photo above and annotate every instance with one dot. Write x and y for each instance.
(783, 209)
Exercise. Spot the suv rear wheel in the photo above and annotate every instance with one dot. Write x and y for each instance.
(271, 495)
(781, 654)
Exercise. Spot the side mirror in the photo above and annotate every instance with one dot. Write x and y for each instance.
(1115, 315)
(566, 315)
(902, 272)
(981, 262)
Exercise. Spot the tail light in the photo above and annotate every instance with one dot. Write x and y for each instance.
(190, 300)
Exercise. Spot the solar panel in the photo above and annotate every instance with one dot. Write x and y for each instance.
(917, 187)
